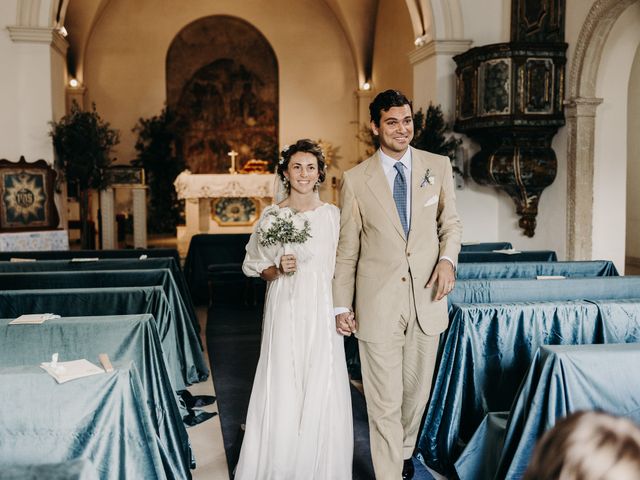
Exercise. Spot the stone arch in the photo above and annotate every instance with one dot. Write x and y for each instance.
(581, 107)
(436, 19)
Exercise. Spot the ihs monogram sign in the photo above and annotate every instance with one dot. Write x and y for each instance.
(26, 194)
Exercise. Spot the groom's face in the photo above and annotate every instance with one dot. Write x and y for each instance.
(395, 130)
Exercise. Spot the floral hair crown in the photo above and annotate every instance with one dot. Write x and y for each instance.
(285, 149)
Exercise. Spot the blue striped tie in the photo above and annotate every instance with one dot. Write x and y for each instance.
(400, 196)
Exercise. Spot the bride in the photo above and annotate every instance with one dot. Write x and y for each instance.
(299, 423)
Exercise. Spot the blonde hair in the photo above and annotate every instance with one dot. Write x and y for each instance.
(587, 446)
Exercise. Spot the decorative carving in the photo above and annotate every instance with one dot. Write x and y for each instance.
(509, 99)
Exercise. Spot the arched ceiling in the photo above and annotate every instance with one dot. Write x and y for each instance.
(357, 18)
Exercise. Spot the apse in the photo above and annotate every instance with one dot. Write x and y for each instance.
(222, 81)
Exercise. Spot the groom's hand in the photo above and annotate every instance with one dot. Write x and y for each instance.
(444, 276)
(346, 323)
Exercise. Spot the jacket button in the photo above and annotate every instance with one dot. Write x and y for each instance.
(404, 279)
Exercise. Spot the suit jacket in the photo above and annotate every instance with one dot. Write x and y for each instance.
(376, 264)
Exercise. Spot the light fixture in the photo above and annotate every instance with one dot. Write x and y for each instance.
(419, 41)
(63, 31)
(73, 83)
(366, 86)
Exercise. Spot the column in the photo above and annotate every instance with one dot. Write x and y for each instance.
(108, 216)
(581, 123)
(204, 215)
(139, 195)
(363, 99)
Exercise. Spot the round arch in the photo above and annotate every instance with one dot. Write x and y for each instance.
(581, 105)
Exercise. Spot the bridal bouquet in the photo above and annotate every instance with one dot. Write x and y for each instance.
(287, 232)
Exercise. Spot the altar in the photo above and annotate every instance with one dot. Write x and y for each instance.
(237, 200)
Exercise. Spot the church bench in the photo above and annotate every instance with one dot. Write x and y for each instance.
(524, 256)
(210, 249)
(487, 351)
(562, 379)
(185, 361)
(520, 290)
(111, 264)
(104, 279)
(124, 338)
(102, 254)
(505, 269)
(101, 417)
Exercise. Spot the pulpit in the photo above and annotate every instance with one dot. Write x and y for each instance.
(199, 190)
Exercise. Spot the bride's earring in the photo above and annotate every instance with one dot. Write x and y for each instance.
(317, 185)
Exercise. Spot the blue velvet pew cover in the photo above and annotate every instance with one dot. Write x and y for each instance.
(102, 417)
(126, 338)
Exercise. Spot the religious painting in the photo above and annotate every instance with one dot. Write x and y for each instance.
(222, 80)
(235, 211)
(26, 193)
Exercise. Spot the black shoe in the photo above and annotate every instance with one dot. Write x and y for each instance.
(407, 469)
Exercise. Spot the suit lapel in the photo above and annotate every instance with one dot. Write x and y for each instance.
(379, 186)
(419, 192)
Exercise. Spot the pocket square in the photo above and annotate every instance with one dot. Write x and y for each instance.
(432, 201)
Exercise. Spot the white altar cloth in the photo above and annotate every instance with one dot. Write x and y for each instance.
(34, 241)
(189, 185)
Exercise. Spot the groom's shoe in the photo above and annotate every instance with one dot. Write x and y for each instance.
(407, 469)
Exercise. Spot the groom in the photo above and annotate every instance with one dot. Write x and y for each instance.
(399, 242)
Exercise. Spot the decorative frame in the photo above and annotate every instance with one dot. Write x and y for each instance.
(27, 196)
(235, 211)
(124, 176)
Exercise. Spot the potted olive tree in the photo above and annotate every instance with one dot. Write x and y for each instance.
(82, 142)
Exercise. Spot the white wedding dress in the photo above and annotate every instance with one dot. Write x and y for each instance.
(299, 423)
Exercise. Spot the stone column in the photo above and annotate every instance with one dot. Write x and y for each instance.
(581, 122)
(139, 195)
(108, 216)
(434, 73)
(204, 215)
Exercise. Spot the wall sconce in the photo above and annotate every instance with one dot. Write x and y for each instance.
(366, 86)
(73, 83)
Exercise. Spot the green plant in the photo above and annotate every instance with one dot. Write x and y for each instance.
(82, 142)
(162, 162)
(430, 133)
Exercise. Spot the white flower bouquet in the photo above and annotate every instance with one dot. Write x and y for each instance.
(287, 232)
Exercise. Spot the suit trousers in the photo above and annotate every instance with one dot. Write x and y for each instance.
(396, 376)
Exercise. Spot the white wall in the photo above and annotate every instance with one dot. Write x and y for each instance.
(125, 65)
(610, 155)
(633, 162)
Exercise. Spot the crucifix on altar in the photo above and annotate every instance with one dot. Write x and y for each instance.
(233, 154)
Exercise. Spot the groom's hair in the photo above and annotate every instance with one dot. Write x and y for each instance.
(384, 101)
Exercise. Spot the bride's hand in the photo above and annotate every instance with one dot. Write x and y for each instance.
(288, 264)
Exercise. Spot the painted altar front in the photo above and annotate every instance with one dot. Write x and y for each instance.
(222, 203)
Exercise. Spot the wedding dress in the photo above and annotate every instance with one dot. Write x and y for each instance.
(299, 423)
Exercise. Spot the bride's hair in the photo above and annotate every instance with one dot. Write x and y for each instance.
(306, 146)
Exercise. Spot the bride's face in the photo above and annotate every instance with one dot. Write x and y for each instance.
(302, 172)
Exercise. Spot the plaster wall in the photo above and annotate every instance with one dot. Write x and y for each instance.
(125, 66)
(393, 41)
(633, 163)
(610, 155)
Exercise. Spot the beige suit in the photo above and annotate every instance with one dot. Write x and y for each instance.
(386, 274)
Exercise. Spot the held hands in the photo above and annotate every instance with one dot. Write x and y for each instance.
(288, 264)
(444, 276)
(346, 323)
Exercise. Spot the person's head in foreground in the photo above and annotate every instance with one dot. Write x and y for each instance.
(587, 446)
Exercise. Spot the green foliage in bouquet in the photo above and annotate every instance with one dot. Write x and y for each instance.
(162, 162)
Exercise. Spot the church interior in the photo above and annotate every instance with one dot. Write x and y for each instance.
(139, 141)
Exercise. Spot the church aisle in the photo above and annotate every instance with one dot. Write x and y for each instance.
(206, 438)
